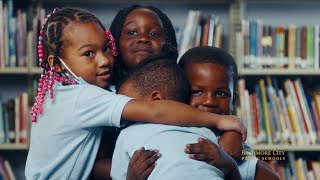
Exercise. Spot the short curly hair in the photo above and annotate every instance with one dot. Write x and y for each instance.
(158, 73)
(209, 54)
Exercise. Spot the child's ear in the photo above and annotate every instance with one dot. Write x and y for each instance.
(157, 95)
(50, 61)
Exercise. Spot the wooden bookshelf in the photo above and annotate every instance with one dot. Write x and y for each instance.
(289, 72)
(35, 70)
(287, 147)
(14, 70)
(14, 146)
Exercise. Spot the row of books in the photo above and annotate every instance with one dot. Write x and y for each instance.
(19, 36)
(280, 116)
(13, 33)
(297, 169)
(266, 46)
(6, 172)
(14, 120)
(200, 30)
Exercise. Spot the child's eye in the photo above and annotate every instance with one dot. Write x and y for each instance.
(88, 54)
(196, 92)
(222, 93)
(153, 34)
(131, 33)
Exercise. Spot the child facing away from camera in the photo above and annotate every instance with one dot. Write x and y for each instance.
(139, 31)
(212, 74)
(72, 107)
(158, 78)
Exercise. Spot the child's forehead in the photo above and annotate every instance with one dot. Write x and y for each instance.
(209, 66)
(83, 31)
(142, 11)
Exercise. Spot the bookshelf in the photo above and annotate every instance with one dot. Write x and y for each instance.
(15, 79)
(230, 13)
(276, 57)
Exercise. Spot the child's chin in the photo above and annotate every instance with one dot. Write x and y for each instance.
(103, 85)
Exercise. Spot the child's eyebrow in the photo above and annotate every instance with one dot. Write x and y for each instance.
(197, 85)
(130, 22)
(84, 46)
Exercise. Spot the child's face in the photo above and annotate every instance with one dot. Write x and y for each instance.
(87, 53)
(142, 35)
(211, 88)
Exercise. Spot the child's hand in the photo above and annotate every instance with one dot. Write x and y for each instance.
(231, 143)
(232, 123)
(142, 164)
(212, 154)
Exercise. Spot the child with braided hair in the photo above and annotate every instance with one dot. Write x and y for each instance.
(72, 107)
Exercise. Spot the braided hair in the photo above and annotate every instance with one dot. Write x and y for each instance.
(120, 70)
(52, 31)
(50, 42)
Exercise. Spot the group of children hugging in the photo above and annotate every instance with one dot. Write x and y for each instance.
(116, 104)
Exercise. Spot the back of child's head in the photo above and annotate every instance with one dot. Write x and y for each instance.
(209, 54)
(159, 73)
(53, 37)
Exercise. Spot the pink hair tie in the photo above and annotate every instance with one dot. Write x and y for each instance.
(111, 41)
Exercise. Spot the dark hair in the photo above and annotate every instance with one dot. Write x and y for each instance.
(52, 30)
(208, 54)
(162, 74)
(116, 28)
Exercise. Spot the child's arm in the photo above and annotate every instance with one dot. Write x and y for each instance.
(264, 171)
(231, 143)
(215, 156)
(176, 113)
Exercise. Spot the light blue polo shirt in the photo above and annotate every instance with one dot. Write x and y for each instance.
(171, 141)
(66, 137)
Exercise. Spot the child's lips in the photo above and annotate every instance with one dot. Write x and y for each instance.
(105, 75)
(142, 52)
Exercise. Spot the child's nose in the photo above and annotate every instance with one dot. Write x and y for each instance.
(143, 38)
(209, 100)
(106, 61)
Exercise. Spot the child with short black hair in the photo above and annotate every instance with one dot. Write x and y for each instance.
(72, 107)
(159, 78)
(139, 31)
(213, 76)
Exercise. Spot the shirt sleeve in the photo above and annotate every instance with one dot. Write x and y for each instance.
(95, 107)
(120, 160)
